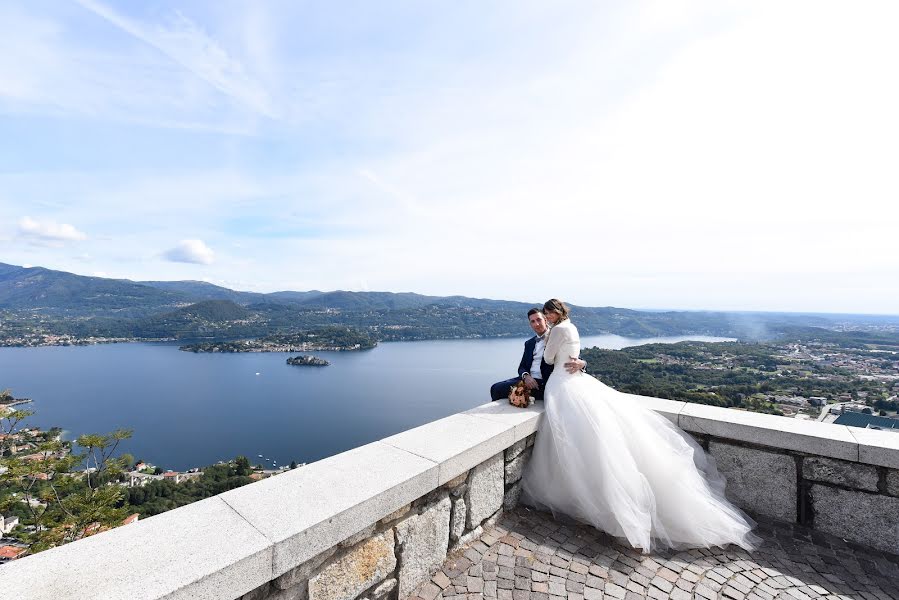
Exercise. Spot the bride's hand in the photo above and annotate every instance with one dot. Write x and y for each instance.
(575, 364)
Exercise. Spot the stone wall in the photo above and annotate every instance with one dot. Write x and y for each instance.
(855, 501)
(371, 523)
(391, 558)
(374, 522)
(832, 478)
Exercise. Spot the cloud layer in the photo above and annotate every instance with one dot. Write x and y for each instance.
(649, 155)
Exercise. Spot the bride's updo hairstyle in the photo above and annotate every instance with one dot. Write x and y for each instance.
(558, 307)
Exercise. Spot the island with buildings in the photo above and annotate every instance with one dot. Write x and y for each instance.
(307, 361)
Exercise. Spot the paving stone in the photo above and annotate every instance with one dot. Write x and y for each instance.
(593, 594)
(441, 580)
(578, 563)
(490, 589)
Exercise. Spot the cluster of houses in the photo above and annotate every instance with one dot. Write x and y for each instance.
(143, 473)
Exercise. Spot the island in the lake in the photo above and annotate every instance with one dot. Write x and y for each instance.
(323, 339)
(307, 361)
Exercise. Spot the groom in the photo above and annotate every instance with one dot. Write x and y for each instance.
(533, 370)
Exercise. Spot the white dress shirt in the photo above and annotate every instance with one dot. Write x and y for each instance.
(538, 356)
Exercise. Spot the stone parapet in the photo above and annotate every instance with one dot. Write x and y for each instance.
(837, 479)
(370, 523)
(376, 522)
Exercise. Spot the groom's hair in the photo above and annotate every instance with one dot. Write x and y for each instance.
(534, 311)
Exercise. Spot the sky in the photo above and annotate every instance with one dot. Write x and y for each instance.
(684, 155)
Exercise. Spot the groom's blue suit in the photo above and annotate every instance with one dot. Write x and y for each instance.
(500, 389)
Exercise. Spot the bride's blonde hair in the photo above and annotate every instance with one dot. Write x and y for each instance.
(557, 306)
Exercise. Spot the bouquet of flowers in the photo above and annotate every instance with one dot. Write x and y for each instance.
(519, 395)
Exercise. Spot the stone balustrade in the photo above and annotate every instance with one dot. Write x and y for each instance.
(375, 522)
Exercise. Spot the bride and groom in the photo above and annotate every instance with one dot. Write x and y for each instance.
(603, 459)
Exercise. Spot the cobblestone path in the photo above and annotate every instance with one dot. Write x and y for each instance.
(530, 556)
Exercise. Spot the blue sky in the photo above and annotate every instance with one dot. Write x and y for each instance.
(718, 155)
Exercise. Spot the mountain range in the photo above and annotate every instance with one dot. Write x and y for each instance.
(36, 299)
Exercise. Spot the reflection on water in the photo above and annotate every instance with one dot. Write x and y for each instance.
(191, 410)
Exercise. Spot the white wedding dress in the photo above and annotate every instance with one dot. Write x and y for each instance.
(603, 459)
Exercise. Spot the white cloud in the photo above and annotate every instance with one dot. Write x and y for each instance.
(191, 251)
(192, 48)
(48, 232)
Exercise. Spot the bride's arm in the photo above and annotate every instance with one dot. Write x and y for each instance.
(557, 337)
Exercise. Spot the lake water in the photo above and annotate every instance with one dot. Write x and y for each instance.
(190, 410)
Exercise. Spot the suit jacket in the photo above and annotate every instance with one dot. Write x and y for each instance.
(528, 357)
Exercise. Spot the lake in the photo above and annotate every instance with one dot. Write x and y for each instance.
(190, 410)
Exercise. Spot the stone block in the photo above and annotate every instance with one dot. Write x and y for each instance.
(840, 472)
(893, 482)
(298, 592)
(456, 443)
(485, 490)
(516, 449)
(811, 437)
(306, 511)
(397, 514)
(301, 573)
(260, 593)
(515, 467)
(423, 540)
(876, 447)
(361, 567)
(458, 520)
(758, 481)
(383, 589)
(355, 539)
(512, 496)
(457, 481)
(524, 420)
(471, 536)
(868, 519)
(202, 550)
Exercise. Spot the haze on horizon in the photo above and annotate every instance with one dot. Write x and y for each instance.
(697, 155)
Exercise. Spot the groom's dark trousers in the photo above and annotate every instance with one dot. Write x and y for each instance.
(500, 389)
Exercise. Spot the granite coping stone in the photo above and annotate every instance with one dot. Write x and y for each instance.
(251, 535)
(203, 550)
(308, 510)
(812, 437)
(877, 447)
(456, 443)
(525, 420)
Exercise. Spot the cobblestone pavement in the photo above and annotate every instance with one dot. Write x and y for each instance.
(530, 556)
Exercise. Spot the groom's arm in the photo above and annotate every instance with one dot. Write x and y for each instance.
(527, 358)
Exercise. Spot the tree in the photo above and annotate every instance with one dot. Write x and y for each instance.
(293, 464)
(242, 466)
(65, 496)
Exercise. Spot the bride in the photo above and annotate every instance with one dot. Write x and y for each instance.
(605, 460)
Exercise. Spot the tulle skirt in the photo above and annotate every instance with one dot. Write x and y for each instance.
(603, 459)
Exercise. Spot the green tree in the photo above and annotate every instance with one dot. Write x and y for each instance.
(64, 495)
(242, 466)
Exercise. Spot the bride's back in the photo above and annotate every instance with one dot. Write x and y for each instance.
(564, 342)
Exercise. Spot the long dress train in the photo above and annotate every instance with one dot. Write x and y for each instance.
(604, 460)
